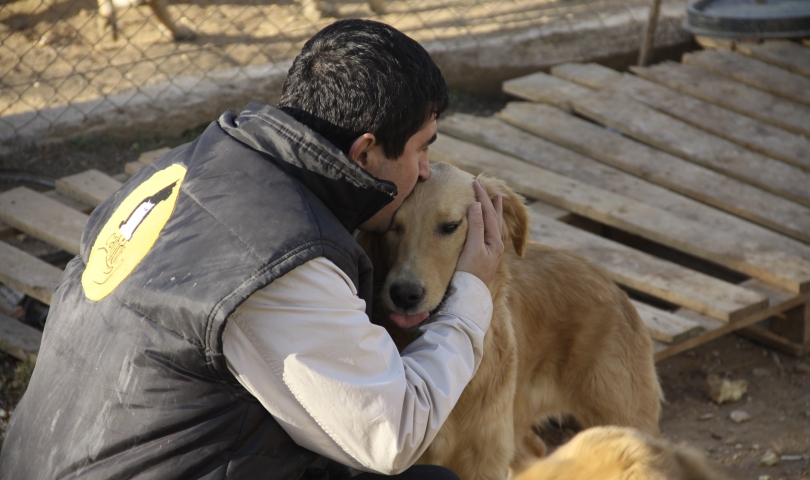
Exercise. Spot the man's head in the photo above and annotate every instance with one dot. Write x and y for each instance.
(375, 94)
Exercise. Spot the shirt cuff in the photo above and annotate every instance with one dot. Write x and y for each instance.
(470, 299)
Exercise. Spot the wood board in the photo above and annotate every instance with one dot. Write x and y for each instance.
(18, 339)
(783, 53)
(43, 218)
(753, 72)
(663, 169)
(733, 126)
(730, 94)
(91, 186)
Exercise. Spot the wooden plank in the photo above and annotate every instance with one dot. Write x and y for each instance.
(678, 138)
(716, 330)
(715, 42)
(91, 186)
(743, 130)
(548, 210)
(131, 168)
(19, 340)
(540, 87)
(664, 326)
(147, 158)
(730, 94)
(646, 273)
(662, 168)
(632, 157)
(753, 72)
(766, 337)
(759, 261)
(43, 218)
(68, 202)
(28, 274)
(591, 75)
(782, 53)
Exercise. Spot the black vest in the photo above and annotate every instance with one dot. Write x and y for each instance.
(135, 385)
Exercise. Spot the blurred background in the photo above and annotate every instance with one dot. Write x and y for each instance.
(81, 67)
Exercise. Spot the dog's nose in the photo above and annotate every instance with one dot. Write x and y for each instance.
(406, 295)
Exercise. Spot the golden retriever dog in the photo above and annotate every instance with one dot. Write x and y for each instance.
(622, 453)
(563, 338)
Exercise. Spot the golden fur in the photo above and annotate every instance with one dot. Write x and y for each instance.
(621, 453)
(563, 338)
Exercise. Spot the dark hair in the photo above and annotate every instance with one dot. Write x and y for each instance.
(358, 76)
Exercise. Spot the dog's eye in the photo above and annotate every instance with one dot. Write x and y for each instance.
(448, 228)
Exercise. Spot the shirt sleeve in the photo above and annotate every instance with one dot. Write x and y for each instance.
(304, 347)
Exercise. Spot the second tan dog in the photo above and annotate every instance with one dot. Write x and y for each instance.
(622, 453)
(563, 337)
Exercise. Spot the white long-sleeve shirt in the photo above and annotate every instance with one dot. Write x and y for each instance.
(304, 347)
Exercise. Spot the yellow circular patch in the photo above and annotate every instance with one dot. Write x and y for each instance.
(130, 232)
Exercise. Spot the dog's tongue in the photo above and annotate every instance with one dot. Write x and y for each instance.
(408, 321)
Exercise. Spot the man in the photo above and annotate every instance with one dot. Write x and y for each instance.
(214, 323)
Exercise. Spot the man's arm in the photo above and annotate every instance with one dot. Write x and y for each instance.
(336, 383)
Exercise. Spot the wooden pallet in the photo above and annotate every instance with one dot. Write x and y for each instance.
(56, 217)
(689, 183)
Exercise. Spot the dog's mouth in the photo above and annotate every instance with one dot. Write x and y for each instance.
(403, 320)
(413, 320)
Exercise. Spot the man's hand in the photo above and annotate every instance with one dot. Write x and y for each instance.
(484, 246)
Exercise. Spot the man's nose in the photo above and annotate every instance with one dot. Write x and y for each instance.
(424, 167)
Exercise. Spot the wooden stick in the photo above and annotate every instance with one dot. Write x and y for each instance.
(649, 34)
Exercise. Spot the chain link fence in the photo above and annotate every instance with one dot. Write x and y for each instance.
(70, 67)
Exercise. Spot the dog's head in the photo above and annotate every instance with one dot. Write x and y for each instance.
(427, 235)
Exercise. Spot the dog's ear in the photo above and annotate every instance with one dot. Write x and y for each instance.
(515, 213)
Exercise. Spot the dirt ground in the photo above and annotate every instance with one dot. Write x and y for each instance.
(777, 400)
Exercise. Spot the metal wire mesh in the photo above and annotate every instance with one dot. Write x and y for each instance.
(105, 53)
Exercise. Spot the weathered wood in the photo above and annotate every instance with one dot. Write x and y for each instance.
(648, 274)
(18, 339)
(736, 127)
(715, 42)
(678, 138)
(591, 75)
(617, 151)
(759, 261)
(663, 169)
(540, 87)
(131, 168)
(548, 210)
(756, 73)
(91, 186)
(773, 340)
(716, 330)
(793, 325)
(782, 53)
(731, 94)
(28, 274)
(147, 158)
(68, 202)
(43, 218)
(664, 326)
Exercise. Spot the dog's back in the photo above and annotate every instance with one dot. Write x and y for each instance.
(620, 453)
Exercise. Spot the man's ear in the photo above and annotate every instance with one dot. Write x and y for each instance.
(359, 151)
(515, 213)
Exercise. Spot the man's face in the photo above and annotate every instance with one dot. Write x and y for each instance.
(404, 171)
